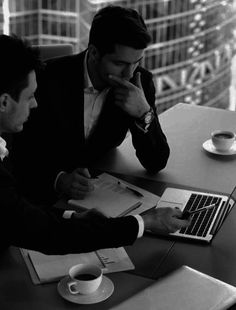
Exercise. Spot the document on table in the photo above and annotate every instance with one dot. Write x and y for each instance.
(115, 197)
(49, 268)
(112, 196)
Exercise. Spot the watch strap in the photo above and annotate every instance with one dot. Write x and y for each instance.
(146, 119)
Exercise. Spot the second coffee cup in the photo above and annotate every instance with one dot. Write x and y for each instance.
(222, 139)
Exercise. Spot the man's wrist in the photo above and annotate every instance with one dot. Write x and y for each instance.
(140, 224)
(145, 120)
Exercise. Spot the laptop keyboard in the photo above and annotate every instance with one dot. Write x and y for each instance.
(200, 221)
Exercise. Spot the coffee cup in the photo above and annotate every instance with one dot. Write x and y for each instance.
(84, 279)
(222, 139)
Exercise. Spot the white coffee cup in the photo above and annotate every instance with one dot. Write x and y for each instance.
(222, 139)
(84, 279)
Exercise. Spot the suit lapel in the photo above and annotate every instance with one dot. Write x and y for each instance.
(74, 94)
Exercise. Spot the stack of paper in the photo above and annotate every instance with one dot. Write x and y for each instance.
(49, 268)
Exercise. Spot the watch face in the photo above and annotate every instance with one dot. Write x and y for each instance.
(148, 117)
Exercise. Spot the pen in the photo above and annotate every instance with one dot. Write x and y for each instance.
(132, 208)
(130, 189)
(186, 214)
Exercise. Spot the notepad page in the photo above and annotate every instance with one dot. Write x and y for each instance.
(114, 200)
(50, 268)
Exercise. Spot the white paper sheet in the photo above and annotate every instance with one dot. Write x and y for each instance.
(114, 199)
(50, 268)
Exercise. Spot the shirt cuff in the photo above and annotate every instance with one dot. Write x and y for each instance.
(68, 214)
(140, 224)
(55, 183)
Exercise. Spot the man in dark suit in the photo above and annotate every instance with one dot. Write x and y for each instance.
(52, 230)
(87, 104)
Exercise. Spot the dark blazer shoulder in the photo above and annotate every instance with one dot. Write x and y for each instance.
(64, 63)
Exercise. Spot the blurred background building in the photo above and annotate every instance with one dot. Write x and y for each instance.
(190, 56)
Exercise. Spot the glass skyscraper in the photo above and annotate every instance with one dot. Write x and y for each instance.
(190, 55)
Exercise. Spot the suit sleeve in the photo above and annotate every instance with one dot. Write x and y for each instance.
(151, 148)
(43, 229)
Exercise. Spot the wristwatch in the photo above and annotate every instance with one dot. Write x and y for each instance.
(146, 119)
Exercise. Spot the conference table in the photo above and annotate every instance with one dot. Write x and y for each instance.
(187, 127)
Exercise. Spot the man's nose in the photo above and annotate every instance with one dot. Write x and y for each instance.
(34, 104)
(128, 72)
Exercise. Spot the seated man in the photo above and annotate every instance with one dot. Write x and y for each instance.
(52, 230)
(87, 104)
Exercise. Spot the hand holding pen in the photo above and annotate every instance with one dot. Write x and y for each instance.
(186, 214)
(76, 184)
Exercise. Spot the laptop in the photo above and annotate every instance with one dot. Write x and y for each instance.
(205, 224)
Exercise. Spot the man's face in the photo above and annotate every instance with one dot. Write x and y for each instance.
(17, 112)
(122, 63)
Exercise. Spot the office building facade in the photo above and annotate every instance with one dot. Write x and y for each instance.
(1, 17)
(190, 55)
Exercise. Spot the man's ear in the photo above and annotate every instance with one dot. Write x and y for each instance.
(93, 53)
(4, 102)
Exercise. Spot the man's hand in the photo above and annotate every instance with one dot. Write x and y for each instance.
(75, 184)
(130, 97)
(164, 220)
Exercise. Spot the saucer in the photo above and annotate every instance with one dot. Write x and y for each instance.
(104, 291)
(209, 147)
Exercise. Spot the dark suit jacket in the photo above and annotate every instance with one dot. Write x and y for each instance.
(25, 225)
(53, 138)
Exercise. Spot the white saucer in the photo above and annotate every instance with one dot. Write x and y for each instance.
(209, 147)
(104, 291)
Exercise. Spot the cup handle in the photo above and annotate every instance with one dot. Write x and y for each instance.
(71, 288)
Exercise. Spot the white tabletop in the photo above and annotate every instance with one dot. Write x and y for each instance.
(187, 127)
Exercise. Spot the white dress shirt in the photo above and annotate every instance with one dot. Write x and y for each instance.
(93, 102)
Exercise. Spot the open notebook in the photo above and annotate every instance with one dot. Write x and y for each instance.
(205, 224)
(115, 197)
(50, 268)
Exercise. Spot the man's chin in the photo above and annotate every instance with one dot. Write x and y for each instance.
(19, 128)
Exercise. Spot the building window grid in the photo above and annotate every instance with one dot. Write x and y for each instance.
(181, 27)
(206, 85)
(59, 25)
(156, 8)
(215, 93)
(170, 27)
(180, 51)
(60, 5)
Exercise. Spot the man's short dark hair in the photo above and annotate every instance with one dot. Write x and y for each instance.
(17, 60)
(118, 25)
